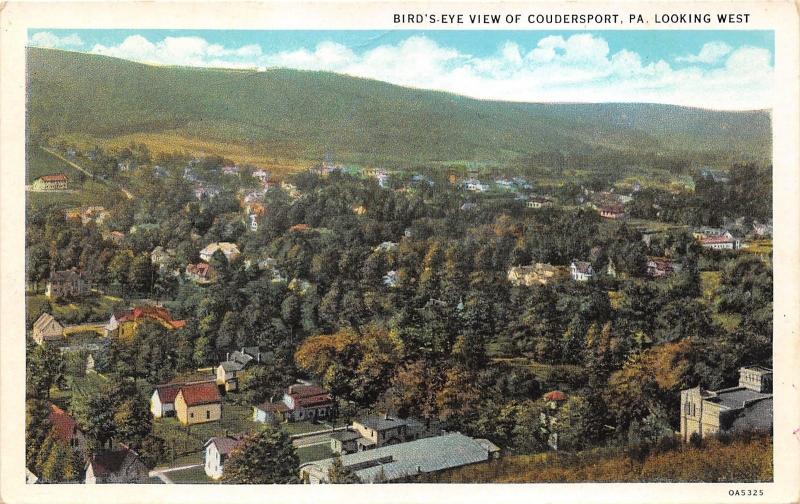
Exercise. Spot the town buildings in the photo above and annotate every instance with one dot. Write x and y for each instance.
(122, 465)
(47, 328)
(124, 324)
(374, 432)
(398, 461)
(200, 273)
(227, 373)
(52, 182)
(301, 401)
(614, 211)
(217, 451)
(746, 407)
(581, 271)
(198, 402)
(659, 267)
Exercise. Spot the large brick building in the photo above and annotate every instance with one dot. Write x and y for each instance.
(745, 407)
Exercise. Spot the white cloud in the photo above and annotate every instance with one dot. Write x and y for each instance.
(578, 68)
(711, 52)
(51, 40)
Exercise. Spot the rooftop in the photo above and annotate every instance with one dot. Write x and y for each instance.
(226, 444)
(736, 397)
(415, 457)
(200, 393)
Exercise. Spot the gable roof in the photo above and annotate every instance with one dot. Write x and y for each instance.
(65, 426)
(167, 393)
(43, 320)
(200, 393)
(226, 444)
(583, 267)
(55, 177)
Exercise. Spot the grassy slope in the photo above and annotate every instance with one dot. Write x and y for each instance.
(293, 115)
(741, 461)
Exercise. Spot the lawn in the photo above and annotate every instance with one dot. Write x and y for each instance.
(191, 475)
(301, 427)
(759, 247)
(186, 440)
(314, 452)
(94, 308)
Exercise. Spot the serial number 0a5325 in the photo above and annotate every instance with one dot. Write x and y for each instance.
(746, 492)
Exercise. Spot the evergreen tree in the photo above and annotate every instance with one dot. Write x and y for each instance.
(338, 473)
(263, 458)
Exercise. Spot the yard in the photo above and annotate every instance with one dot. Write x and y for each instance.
(188, 440)
(302, 427)
(193, 475)
(94, 308)
(314, 452)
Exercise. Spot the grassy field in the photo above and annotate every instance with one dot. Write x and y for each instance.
(84, 190)
(314, 452)
(301, 427)
(94, 308)
(709, 281)
(235, 418)
(191, 475)
(759, 247)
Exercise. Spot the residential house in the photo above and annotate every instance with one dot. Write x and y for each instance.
(200, 273)
(262, 176)
(231, 170)
(658, 267)
(291, 190)
(717, 176)
(539, 273)
(475, 185)
(230, 250)
(122, 465)
(66, 428)
(301, 401)
(611, 270)
(468, 206)
(217, 450)
(162, 402)
(359, 209)
(124, 324)
(614, 211)
(67, 283)
(648, 235)
(746, 407)
(581, 271)
(198, 402)
(398, 461)
(537, 202)
(724, 242)
(52, 182)
(189, 174)
(46, 328)
(376, 431)
(227, 372)
(115, 237)
(96, 214)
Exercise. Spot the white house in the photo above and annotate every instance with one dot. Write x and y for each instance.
(218, 449)
(581, 271)
(162, 402)
(230, 250)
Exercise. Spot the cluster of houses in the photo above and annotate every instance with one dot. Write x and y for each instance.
(716, 238)
(543, 274)
(85, 215)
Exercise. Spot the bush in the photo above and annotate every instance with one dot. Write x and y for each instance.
(695, 440)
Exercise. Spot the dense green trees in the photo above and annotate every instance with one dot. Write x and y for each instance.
(263, 458)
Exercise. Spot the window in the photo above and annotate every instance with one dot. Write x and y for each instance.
(208, 414)
(191, 415)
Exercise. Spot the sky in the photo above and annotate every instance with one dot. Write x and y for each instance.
(726, 70)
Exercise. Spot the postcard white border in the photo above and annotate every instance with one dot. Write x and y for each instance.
(17, 17)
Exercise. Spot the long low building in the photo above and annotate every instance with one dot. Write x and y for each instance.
(397, 461)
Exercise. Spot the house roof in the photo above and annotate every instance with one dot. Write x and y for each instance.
(43, 320)
(715, 239)
(555, 395)
(64, 276)
(110, 461)
(55, 177)
(151, 312)
(737, 397)
(231, 366)
(166, 393)
(65, 426)
(381, 423)
(414, 457)
(200, 393)
(226, 444)
(582, 266)
(271, 407)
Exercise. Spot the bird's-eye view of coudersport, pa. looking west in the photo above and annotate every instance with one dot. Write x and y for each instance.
(312, 257)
